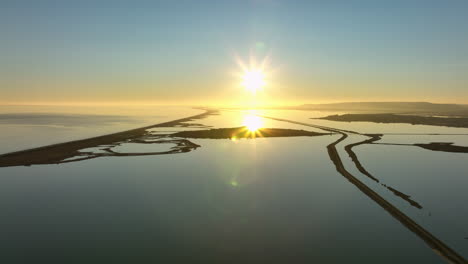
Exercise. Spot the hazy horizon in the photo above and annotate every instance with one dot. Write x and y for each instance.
(206, 104)
(251, 131)
(184, 52)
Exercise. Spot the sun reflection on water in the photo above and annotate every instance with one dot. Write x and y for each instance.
(252, 122)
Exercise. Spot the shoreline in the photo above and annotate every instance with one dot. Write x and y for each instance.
(55, 153)
(456, 122)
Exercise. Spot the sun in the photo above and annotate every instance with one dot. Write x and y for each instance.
(253, 80)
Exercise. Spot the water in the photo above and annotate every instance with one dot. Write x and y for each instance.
(249, 200)
(35, 126)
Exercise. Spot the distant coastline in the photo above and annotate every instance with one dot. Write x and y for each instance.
(461, 122)
(415, 108)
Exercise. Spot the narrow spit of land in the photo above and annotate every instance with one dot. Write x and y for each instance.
(433, 146)
(70, 151)
(433, 242)
(404, 119)
(58, 153)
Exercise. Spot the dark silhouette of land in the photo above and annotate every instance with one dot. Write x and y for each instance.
(432, 241)
(373, 138)
(437, 245)
(434, 146)
(244, 132)
(405, 119)
(445, 147)
(59, 153)
(416, 108)
(70, 152)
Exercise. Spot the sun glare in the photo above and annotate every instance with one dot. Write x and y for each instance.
(253, 80)
(252, 123)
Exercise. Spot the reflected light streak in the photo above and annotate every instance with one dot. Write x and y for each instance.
(252, 123)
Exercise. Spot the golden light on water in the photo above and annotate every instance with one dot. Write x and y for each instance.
(251, 127)
(252, 123)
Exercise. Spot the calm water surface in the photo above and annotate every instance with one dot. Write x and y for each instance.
(24, 127)
(250, 200)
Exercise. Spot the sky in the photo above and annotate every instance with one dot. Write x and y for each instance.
(187, 52)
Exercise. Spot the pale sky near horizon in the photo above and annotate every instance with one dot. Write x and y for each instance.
(185, 51)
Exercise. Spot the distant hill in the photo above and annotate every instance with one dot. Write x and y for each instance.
(391, 107)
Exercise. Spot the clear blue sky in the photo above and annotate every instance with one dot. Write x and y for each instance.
(183, 51)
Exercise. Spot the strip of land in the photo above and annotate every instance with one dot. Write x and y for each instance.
(70, 151)
(244, 132)
(445, 147)
(57, 153)
(405, 119)
(437, 245)
(434, 146)
(408, 108)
